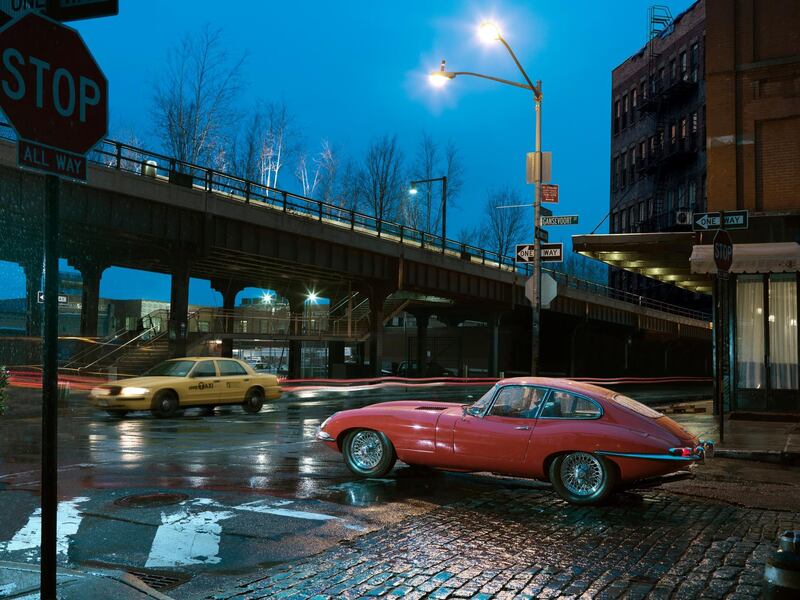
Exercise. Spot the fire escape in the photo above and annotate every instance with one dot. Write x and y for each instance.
(673, 145)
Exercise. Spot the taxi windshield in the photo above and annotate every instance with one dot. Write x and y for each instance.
(171, 368)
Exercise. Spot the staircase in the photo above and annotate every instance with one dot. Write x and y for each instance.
(142, 357)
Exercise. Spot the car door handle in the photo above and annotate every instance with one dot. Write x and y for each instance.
(522, 427)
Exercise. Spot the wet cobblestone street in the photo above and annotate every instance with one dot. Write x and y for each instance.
(521, 543)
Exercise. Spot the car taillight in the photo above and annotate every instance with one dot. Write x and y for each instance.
(681, 451)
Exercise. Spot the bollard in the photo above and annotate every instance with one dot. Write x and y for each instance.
(782, 571)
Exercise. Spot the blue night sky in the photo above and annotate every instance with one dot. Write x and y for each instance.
(353, 70)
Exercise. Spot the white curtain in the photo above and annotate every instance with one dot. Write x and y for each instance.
(783, 331)
(750, 332)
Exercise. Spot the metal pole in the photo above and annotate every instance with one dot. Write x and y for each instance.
(444, 211)
(537, 249)
(50, 391)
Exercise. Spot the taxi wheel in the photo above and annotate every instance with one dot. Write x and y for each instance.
(582, 477)
(166, 405)
(117, 414)
(253, 401)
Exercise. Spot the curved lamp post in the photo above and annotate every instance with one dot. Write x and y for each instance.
(489, 32)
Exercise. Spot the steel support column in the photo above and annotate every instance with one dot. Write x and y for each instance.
(493, 325)
(91, 273)
(228, 290)
(179, 309)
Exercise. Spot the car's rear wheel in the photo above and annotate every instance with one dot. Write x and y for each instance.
(582, 477)
(165, 405)
(368, 453)
(253, 401)
(117, 414)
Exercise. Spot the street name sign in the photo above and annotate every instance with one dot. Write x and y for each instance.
(562, 220)
(542, 235)
(524, 253)
(62, 299)
(552, 252)
(53, 93)
(72, 10)
(549, 192)
(723, 251)
(731, 219)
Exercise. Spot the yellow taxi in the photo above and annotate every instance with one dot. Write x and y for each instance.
(188, 382)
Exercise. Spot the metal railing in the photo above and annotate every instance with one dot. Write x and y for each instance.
(124, 157)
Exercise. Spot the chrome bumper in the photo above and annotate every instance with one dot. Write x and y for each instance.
(325, 437)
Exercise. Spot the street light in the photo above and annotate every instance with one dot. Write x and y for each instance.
(489, 32)
(413, 191)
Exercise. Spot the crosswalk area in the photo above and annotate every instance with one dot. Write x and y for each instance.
(207, 532)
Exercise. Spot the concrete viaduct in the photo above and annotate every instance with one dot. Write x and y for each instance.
(145, 211)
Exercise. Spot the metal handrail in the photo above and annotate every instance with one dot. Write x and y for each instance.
(124, 157)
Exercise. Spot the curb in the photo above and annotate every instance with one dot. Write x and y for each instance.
(769, 456)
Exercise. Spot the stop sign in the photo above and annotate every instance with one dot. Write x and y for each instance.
(723, 251)
(51, 89)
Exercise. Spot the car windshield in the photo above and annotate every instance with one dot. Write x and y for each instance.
(480, 405)
(171, 368)
(637, 406)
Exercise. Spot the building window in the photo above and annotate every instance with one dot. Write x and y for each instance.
(681, 196)
(617, 115)
(782, 305)
(615, 223)
(660, 82)
(615, 174)
(624, 160)
(660, 135)
(634, 99)
(624, 220)
(650, 208)
(673, 71)
(694, 122)
(684, 67)
(624, 111)
(695, 61)
(750, 331)
(642, 213)
(632, 153)
(670, 201)
(692, 194)
(673, 133)
(683, 128)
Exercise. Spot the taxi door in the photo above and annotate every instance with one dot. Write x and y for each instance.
(233, 380)
(204, 384)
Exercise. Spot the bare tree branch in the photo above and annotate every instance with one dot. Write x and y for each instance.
(381, 180)
(504, 227)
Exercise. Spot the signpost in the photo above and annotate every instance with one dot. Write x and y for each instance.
(561, 220)
(729, 219)
(56, 98)
(723, 259)
(542, 235)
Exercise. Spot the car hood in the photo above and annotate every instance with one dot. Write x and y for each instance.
(144, 382)
(413, 405)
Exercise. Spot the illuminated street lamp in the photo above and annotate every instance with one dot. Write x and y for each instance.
(312, 297)
(490, 32)
(414, 191)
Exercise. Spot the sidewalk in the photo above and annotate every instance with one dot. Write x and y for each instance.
(769, 441)
(21, 582)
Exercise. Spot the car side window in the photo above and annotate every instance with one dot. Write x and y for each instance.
(517, 401)
(564, 405)
(204, 368)
(230, 367)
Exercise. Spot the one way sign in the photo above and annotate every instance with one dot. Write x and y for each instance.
(732, 219)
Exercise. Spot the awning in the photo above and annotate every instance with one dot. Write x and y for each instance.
(774, 257)
(663, 256)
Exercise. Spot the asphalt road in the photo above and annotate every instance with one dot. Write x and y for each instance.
(249, 491)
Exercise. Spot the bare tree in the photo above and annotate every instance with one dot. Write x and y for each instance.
(470, 236)
(194, 100)
(245, 153)
(278, 143)
(349, 189)
(318, 172)
(504, 227)
(381, 180)
(431, 162)
(581, 267)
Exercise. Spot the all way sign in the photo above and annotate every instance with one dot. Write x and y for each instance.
(562, 220)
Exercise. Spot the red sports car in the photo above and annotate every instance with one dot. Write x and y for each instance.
(584, 439)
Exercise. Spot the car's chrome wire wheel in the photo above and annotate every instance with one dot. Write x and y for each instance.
(582, 474)
(366, 450)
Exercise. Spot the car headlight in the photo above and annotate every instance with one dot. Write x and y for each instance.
(133, 391)
(99, 391)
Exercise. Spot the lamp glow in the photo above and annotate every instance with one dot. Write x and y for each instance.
(312, 297)
(266, 298)
(413, 190)
(488, 32)
(437, 79)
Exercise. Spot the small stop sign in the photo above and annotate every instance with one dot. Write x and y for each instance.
(51, 89)
(723, 251)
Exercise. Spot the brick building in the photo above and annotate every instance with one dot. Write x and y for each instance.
(658, 159)
(752, 141)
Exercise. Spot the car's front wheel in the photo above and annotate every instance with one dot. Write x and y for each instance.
(253, 401)
(368, 453)
(582, 477)
(165, 405)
